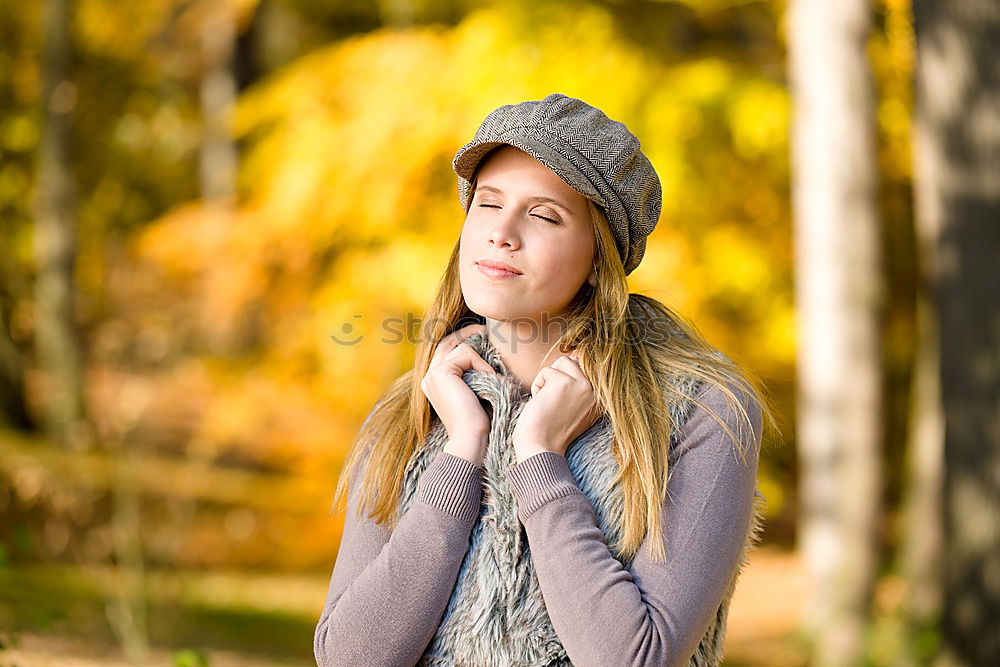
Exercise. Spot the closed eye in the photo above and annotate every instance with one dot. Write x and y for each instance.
(555, 222)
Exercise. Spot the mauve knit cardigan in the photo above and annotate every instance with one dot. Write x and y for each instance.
(389, 590)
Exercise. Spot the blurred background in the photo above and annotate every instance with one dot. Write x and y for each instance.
(210, 208)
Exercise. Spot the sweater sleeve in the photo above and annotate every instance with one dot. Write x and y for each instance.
(389, 589)
(651, 613)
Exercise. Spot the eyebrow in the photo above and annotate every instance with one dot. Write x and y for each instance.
(538, 198)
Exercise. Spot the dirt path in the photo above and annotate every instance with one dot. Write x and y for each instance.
(765, 609)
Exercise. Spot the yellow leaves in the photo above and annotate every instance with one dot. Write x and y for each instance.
(892, 55)
(714, 5)
(178, 242)
(759, 118)
(343, 160)
(120, 29)
(664, 272)
(702, 80)
(772, 490)
(20, 132)
(777, 342)
(370, 308)
(348, 207)
(409, 268)
(735, 261)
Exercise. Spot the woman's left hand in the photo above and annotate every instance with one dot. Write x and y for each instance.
(562, 406)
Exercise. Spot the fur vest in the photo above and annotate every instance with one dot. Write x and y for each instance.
(496, 615)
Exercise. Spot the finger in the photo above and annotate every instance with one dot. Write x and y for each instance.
(468, 330)
(466, 358)
(453, 340)
(538, 382)
(569, 366)
(547, 374)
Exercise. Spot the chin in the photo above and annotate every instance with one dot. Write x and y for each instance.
(495, 308)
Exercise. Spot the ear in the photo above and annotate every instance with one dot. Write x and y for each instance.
(592, 278)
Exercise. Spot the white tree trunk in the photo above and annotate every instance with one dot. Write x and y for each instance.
(839, 291)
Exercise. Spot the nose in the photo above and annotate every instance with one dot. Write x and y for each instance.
(504, 232)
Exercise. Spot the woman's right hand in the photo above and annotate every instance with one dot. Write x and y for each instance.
(464, 418)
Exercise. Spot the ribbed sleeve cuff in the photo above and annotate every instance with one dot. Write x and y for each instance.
(453, 485)
(539, 479)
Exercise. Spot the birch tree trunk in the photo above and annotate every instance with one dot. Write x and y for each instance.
(217, 162)
(957, 168)
(57, 343)
(838, 298)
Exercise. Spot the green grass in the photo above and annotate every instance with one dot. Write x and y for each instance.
(68, 602)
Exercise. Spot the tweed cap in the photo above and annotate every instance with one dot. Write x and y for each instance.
(595, 155)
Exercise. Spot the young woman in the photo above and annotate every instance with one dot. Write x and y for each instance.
(568, 474)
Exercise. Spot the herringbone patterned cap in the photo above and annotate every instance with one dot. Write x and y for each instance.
(596, 156)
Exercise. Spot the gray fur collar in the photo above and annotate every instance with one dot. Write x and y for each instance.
(496, 615)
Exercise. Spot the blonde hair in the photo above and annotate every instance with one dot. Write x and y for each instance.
(623, 360)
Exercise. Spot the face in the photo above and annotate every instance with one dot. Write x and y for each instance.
(524, 216)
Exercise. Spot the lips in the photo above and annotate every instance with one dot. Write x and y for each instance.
(497, 269)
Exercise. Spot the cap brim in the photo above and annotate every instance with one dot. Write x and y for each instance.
(470, 155)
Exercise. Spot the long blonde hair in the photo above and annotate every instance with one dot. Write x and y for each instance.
(622, 357)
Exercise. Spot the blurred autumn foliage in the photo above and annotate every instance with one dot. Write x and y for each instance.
(219, 389)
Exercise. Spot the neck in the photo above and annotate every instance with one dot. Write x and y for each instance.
(524, 346)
